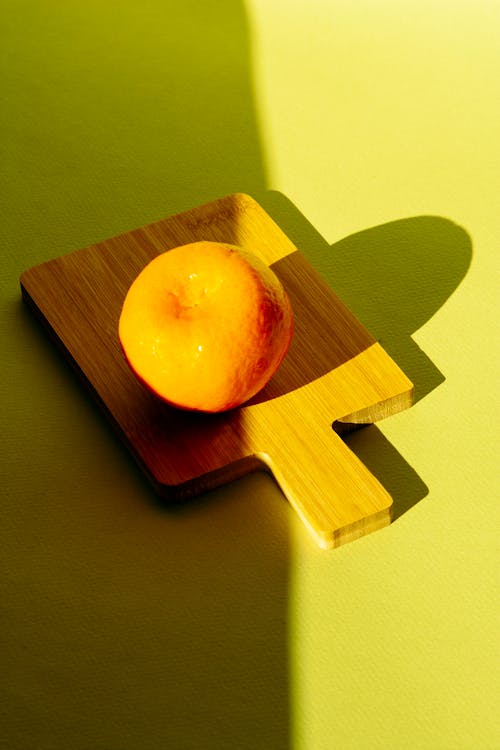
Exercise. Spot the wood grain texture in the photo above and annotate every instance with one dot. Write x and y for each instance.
(334, 372)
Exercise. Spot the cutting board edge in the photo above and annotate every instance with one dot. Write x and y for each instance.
(361, 528)
(241, 466)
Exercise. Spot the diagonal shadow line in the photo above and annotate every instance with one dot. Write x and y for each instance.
(410, 268)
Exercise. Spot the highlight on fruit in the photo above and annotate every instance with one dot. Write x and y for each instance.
(205, 326)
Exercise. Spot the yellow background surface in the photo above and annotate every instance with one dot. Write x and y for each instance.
(370, 132)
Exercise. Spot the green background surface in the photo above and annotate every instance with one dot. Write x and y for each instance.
(370, 132)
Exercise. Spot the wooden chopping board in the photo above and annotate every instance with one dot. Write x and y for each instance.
(334, 372)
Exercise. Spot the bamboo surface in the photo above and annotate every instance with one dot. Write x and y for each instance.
(334, 372)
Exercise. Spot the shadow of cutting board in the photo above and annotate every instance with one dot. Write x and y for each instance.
(334, 372)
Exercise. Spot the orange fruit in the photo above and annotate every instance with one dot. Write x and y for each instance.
(205, 326)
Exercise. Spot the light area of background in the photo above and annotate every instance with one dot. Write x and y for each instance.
(373, 112)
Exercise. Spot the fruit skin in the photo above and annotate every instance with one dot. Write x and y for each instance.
(205, 326)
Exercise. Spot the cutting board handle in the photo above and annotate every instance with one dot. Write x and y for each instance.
(337, 497)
